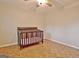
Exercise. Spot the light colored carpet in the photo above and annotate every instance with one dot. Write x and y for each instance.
(47, 49)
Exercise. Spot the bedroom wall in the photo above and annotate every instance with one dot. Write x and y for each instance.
(63, 25)
(12, 17)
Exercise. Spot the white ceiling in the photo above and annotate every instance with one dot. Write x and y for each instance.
(32, 4)
(65, 2)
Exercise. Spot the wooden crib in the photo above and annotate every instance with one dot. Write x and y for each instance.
(29, 36)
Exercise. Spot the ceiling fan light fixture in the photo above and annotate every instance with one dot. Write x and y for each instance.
(43, 3)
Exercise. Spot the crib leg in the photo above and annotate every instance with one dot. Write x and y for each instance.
(42, 41)
(42, 36)
(20, 48)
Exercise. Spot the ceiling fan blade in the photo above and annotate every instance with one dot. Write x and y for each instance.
(50, 5)
(57, 4)
(29, 0)
(26, 0)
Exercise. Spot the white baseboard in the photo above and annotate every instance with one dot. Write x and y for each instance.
(51, 40)
(65, 44)
(8, 45)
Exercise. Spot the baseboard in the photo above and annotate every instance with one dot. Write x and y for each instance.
(51, 40)
(65, 44)
(8, 45)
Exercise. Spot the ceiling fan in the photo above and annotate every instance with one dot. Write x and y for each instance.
(48, 3)
(43, 3)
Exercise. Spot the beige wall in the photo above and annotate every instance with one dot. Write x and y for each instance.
(63, 25)
(12, 17)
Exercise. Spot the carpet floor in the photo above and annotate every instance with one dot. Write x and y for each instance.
(48, 49)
